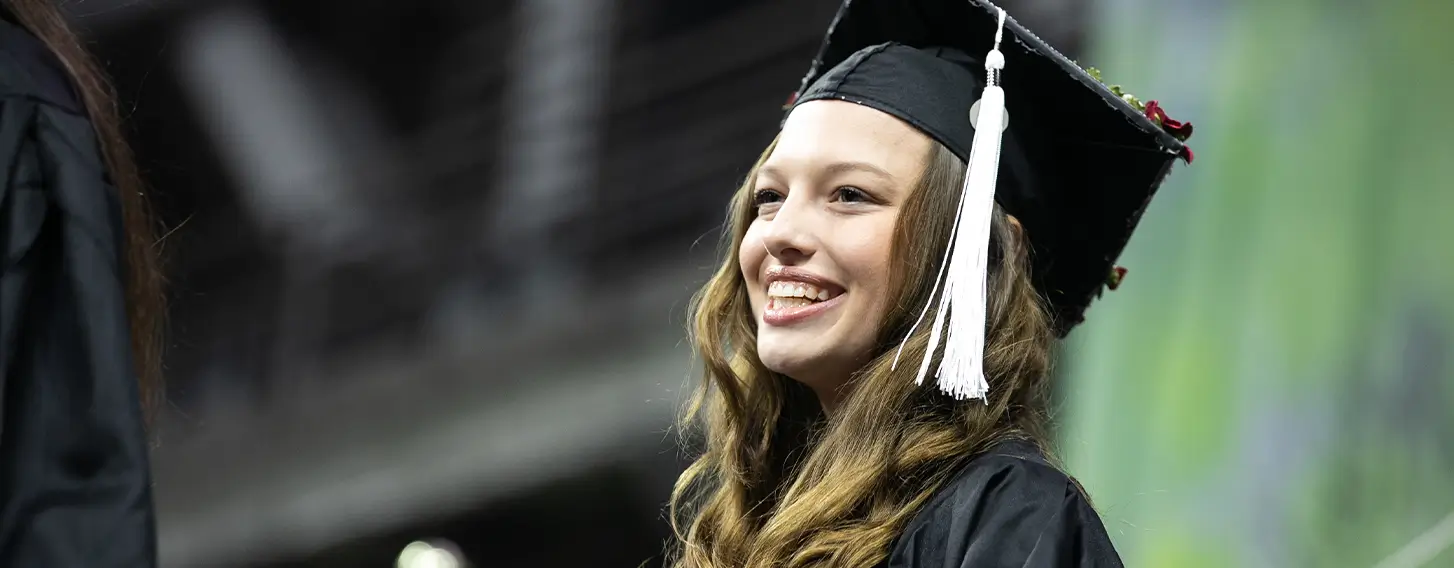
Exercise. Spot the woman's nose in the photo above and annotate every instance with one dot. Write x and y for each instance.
(791, 235)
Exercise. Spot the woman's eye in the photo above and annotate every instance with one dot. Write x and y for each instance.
(849, 194)
(766, 197)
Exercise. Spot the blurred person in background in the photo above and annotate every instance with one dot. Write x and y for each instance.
(878, 218)
(80, 309)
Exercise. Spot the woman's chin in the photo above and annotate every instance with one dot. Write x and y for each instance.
(814, 369)
(788, 357)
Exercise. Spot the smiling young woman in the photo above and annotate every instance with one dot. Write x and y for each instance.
(882, 246)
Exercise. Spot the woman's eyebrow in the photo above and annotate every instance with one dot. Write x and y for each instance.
(836, 168)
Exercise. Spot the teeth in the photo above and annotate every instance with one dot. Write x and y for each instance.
(797, 290)
(784, 303)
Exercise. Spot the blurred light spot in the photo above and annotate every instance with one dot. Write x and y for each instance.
(424, 555)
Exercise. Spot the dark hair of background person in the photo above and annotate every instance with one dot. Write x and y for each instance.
(145, 301)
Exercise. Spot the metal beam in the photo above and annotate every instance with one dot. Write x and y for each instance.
(555, 104)
(427, 435)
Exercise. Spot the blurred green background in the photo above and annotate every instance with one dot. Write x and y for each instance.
(1272, 385)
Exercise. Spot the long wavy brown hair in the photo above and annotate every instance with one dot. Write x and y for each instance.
(780, 484)
(145, 302)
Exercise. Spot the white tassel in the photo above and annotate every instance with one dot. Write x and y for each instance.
(965, 268)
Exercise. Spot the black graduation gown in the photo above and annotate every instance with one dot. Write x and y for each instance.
(1008, 507)
(75, 489)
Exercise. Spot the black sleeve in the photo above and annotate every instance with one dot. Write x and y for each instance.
(75, 489)
(1007, 512)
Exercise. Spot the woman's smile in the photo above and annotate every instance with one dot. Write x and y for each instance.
(795, 295)
(787, 306)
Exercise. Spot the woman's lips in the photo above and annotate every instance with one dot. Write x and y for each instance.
(789, 311)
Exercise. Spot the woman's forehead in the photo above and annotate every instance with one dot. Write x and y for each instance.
(818, 133)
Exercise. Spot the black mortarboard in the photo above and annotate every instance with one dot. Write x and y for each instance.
(1077, 165)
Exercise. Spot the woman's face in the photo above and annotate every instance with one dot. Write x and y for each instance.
(816, 255)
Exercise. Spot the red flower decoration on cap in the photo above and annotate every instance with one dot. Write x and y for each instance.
(1178, 129)
(1118, 274)
(1181, 130)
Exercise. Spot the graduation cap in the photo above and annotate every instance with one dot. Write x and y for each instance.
(1074, 160)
